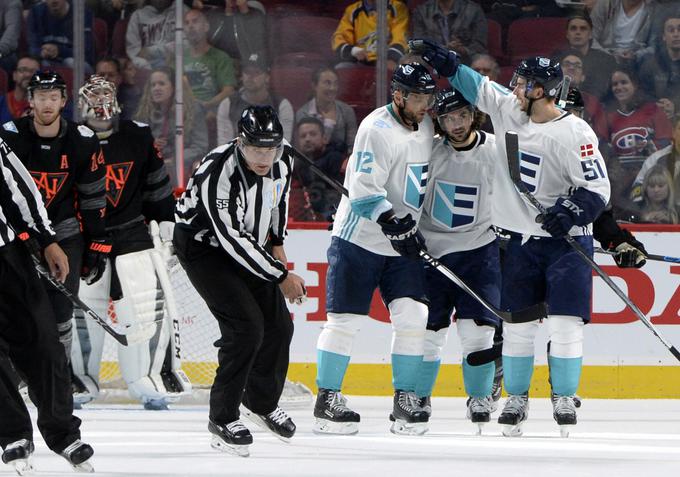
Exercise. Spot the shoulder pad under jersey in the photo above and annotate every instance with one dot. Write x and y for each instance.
(85, 131)
(11, 127)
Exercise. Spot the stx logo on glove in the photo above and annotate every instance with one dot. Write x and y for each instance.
(575, 209)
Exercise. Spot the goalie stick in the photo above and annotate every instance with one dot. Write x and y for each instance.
(512, 152)
(651, 256)
(132, 335)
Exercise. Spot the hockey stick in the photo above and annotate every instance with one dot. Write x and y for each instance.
(529, 314)
(651, 256)
(512, 151)
(132, 336)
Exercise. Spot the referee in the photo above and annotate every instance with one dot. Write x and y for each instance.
(29, 341)
(231, 223)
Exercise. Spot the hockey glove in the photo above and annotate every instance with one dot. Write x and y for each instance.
(580, 208)
(444, 61)
(630, 253)
(94, 261)
(404, 235)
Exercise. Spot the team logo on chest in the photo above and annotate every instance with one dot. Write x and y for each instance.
(414, 185)
(116, 178)
(49, 184)
(530, 169)
(454, 205)
(630, 141)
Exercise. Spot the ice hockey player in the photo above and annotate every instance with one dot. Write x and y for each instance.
(137, 192)
(563, 169)
(29, 342)
(376, 243)
(231, 226)
(456, 224)
(65, 162)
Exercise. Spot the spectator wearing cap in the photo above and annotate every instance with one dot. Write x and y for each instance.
(254, 92)
(458, 24)
(10, 28)
(598, 65)
(356, 38)
(14, 104)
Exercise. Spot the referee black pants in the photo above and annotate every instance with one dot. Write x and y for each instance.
(255, 325)
(28, 337)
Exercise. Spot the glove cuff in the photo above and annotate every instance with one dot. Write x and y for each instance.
(100, 246)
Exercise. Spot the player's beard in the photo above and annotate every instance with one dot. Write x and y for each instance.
(45, 120)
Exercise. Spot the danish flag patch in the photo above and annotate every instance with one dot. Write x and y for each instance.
(587, 150)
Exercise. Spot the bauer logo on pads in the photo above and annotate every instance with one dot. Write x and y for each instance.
(530, 169)
(454, 205)
(414, 186)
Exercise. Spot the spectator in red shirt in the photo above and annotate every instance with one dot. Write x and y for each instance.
(14, 104)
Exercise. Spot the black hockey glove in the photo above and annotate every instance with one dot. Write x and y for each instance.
(630, 253)
(580, 208)
(94, 261)
(557, 220)
(444, 61)
(404, 235)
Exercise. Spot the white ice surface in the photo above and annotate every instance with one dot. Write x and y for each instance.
(618, 438)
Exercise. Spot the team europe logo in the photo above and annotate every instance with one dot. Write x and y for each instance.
(116, 178)
(529, 170)
(414, 187)
(454, 205)
(49, 184)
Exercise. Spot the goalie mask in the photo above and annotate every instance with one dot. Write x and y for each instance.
(97, 100)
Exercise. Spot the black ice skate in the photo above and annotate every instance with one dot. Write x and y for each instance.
(19, 455)
(407, 417)
(78, 454)
(332, 414)
(277, 422)
(564, 412)
(479, 411)
(515, 412)
(233, 438)
(426, 403)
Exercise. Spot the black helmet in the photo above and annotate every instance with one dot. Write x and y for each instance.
(259, 126)
(47, 80)
(413, 78)
(543, 71)
(449, 100)
(574, 100)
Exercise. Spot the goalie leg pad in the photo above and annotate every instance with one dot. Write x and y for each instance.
(142, 302)
(409, 320)
(478, 380)
(518, 355)
(334, 348)
(566, 353)
(429, 367)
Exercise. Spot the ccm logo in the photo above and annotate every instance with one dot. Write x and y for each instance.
(222, 203)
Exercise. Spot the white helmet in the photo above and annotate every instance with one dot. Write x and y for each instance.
(97, 99)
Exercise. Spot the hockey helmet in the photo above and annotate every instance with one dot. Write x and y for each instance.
(540, 71)
(413, 78)
(46, 80)
(97, 99)
(450, 100)
(259, 126)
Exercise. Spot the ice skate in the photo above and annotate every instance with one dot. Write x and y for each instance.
(233, 438)
(332, 414)
(19, 455)
(78, 455)
(514, 414)
(426, 403)
(407, 417)
(564, 412)
(277, 422)
(156, 405)
(479, 412)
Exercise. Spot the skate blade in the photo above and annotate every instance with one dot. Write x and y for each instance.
(403, 428)
(565, 429)
(23, 466)
(83, 468)
(479, 428)
(220, 445)
(324, 426)
(262, 425)
(510, 430)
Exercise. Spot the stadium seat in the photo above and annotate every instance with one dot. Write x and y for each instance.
(293, 83)
(505, 75)
(309, 59)
(118, 38)
(494, 40)
(100, 32)
(356, 85)
(535, 36)
(66, 73)
(3, 82)
(293, 34)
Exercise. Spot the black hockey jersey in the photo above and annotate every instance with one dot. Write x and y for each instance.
(137, 182)
(69, 172)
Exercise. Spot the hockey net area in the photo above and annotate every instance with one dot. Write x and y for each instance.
(198, 332)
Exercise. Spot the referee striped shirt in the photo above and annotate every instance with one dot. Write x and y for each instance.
(227, 205)
(20, 201)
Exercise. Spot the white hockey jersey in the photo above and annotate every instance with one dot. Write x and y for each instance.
(388, 169)
(457, 212)
(555, 157)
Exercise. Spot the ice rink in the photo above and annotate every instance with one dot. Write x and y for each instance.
(637, 438)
